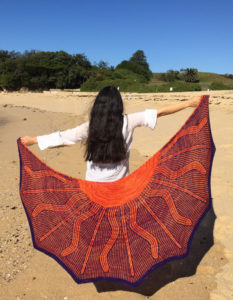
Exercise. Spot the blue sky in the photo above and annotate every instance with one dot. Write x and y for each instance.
(173, 34)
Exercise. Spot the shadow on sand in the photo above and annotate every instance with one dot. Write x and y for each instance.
(202, 242)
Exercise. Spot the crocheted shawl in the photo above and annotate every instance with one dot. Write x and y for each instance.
(122, 230)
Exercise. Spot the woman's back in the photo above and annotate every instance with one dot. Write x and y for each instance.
(113, 171)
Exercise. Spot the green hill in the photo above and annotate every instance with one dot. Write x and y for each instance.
(207, 81)
(207, 78)
(129, 81)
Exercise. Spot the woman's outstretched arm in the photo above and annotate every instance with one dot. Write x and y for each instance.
(170, 109)
(58, 138)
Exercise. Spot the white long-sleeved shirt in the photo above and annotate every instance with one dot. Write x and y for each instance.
(102, 172)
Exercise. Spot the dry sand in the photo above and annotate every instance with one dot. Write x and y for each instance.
(25, 273)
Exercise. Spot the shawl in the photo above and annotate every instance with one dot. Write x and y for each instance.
(122, 230)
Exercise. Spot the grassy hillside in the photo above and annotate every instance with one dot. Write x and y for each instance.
(206, 79)
(129, 81)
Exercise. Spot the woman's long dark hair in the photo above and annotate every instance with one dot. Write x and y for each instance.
(105, 142)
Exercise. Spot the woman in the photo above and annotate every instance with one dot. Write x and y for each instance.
(108, 134)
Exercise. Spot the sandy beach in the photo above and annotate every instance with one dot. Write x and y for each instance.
(27, 274)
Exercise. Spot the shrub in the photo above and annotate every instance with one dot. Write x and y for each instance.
(172, 75)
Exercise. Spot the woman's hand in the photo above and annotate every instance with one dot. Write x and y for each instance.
(29, 140)
(194, 101)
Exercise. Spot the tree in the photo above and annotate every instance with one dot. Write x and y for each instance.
(75, 76)
(9, 78)
(139, 58)
(135, 68)
(190, 75)
(172, 75)
(103, 65)
(41, 70)
(28, 53)
(4, 55)
(82, 61)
